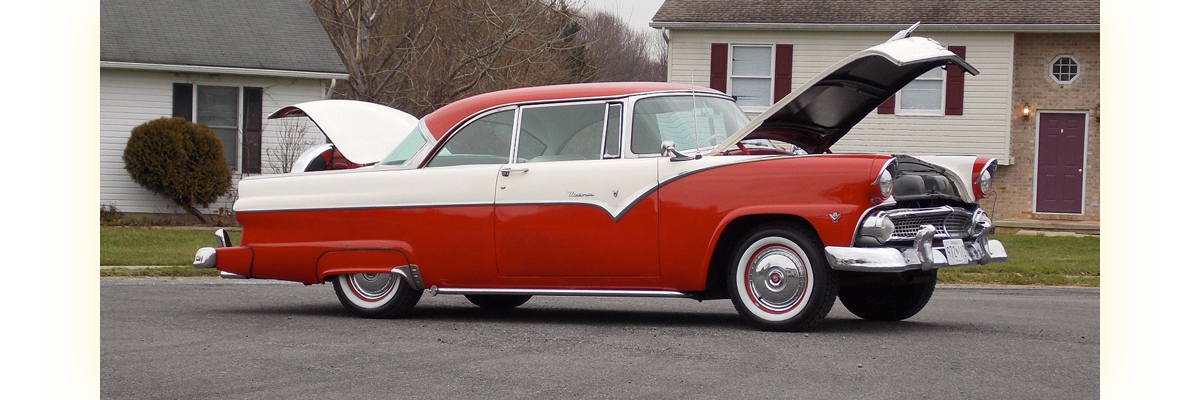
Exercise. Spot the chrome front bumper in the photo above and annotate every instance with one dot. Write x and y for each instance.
(921, 256)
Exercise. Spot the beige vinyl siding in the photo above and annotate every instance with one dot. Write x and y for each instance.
(129, 98)
(983, 129)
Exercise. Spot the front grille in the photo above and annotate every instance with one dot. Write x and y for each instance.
(951, 222)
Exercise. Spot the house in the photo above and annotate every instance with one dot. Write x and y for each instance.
(1035, 106)
(225, 63)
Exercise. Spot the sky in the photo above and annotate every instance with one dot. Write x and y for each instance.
(637, 13)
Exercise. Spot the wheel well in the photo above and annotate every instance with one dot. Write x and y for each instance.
(715, 286)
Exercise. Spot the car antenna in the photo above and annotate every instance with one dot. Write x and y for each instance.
(695, 120)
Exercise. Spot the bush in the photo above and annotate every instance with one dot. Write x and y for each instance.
(180, 160)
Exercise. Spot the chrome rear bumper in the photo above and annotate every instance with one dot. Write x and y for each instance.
(206, 257)
(921, 256)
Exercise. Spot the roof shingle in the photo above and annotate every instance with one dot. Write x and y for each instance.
(259, 34)
(891, 12)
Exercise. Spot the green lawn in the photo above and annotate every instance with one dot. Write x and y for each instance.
(1032, 260)
(155, 246)
(1036, 260)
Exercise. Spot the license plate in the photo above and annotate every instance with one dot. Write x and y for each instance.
(956, 253)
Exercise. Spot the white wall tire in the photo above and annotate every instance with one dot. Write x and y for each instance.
(376, 295)
(779, 280)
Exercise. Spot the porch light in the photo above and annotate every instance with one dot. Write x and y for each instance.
(1025, 111)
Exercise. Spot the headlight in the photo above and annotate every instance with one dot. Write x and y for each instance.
(985, 182)
(987, 172)
(886, 181)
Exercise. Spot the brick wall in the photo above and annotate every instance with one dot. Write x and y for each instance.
(1032, 83)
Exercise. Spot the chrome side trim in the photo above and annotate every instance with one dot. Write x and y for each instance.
(561, 292)
(410, 274)
(230, 275)
(892, 259)
(206, 257)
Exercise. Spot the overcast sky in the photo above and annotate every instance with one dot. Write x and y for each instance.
(637, 13)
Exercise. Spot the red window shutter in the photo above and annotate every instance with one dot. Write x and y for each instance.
(888, 106)
(719, 66)
(252, 130)
(783, 70)
(181, 100)
(955, 83)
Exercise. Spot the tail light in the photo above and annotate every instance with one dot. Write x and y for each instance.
(985, 172)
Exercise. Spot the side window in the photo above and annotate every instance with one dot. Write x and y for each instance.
(485, 141)
(561, 133)
(690, 122)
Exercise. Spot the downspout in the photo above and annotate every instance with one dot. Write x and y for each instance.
(329, 92)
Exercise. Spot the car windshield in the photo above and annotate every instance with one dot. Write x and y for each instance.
(689, 121)
(406, 149)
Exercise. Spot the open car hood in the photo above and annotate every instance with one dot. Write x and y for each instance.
(818, 113)
(363, 132)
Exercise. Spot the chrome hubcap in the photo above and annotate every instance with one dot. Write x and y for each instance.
(372, 286)
(776, 277)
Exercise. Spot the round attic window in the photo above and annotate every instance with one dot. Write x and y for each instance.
(1064, 69)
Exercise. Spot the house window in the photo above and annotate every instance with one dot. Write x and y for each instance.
(924, 95)
(750, 76)
(234, 113)
(217, 107)
(1064, 69)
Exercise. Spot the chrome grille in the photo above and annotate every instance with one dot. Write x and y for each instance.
(951, 222)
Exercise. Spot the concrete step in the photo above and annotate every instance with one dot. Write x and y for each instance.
(1034, 226)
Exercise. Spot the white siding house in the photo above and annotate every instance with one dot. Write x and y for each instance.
(131, 97)
(225, 63)
(982, 129)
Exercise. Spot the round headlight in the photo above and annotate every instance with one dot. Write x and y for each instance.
(985, 183)
(886, 183)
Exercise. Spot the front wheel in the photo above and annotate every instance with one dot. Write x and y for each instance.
(779, 279)
(376, 295)
(888, 302)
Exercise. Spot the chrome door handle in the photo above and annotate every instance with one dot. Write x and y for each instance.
(507, 170)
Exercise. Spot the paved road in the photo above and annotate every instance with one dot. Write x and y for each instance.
(207, 338)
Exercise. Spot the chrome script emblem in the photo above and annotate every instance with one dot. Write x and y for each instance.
(835, 216)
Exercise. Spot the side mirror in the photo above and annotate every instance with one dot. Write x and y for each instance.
(667, 149)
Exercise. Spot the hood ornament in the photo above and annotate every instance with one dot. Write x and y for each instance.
(835, 216)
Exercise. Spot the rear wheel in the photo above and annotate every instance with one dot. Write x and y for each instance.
(779, 279)
(497, 302)
(376, 295)
(888, 302)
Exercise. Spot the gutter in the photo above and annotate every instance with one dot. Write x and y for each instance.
(1044, 28)
(202, 69)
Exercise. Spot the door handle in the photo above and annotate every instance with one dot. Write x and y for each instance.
(508, 170)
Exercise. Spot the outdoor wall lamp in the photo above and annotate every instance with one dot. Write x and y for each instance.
(1025, 111)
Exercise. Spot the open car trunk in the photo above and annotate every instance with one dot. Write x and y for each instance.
(363, 132)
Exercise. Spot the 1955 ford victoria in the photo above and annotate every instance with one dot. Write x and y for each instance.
(622, 189)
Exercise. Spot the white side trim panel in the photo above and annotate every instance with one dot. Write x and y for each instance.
(370, 188)
(612, 185)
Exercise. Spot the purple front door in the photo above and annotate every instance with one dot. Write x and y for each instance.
(1061, 138)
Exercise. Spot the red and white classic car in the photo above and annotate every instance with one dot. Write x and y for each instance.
(622, 189)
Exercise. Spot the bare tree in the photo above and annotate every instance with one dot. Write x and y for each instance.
(292, 140)
(422, 54)
(621, 53)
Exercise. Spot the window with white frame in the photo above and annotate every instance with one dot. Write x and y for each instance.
(217, 107)
(1064, 69)
(925, 95)
(750, 76)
